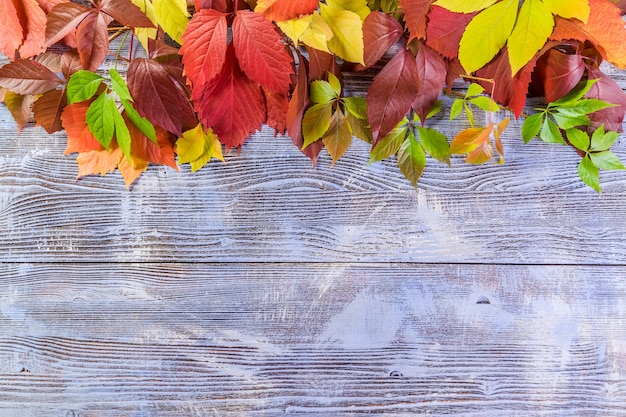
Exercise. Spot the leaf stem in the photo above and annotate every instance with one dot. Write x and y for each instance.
(119, 50)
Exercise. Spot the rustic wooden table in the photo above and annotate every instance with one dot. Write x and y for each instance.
(266, 287)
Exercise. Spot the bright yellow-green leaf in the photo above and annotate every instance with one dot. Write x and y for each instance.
(347, 28)
(143, 34)
(198, 146)
(468, 6)
(532, 29)
(486, 34)
(311, 30)
(577, 9)
(316, 122)
(173, 17)
(322, 92)
(338, 138)
(357, 6)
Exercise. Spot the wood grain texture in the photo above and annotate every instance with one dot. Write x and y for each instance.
(327, 339)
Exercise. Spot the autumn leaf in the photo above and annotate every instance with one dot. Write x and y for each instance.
(558, 73)
(391, 94)
(338, 137)
(532, 29)
(232, 104)
(101, 119)
(127, 13)
(411, 159)
(445, 29)
(173, 17)
(431, 71)
(280, 10)
(415, 17)
(316, 122)
(277, 106)
(347, 28)
(79, 137)
(33, 21)
(571, 9)
(142, 148)
(608, 90)
(467, 6)
(144, 34)
(197, 147)
(48, 108)
(19, 106)
(11, 32)
(98, 162)
(380, 32)
(63, 19)
(204, 47)
(92, 40)
(24, 76)
(475, 142)
(311, 30)
(260, 52)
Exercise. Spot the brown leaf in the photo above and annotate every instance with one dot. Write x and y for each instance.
(93, 40)
(24, 76)
(63, 19)
(125, 12)
(48, 108)
(19, 106)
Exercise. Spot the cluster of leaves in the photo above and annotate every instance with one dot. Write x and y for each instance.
(213, 72)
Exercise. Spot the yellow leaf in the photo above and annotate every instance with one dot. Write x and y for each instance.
(465, 6)
(173, 17)
(347, 28)
(532, 29)
(263, 5)
(486, 34)
(143, 34)
(311, 30)
(577, 9)
(357, 6)
(338, 137)
(198, 146)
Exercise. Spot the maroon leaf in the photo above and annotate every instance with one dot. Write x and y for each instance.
(320, 63)
(380, 32)
(24, 76)
(63, 19)
(70, 63)
(93, 40)
(608, 90)
(125, 12)
(431, 70)
(445, 30)
(415, 17)
(157, 96)
(558, 72)
(48, 109)
(391, 94)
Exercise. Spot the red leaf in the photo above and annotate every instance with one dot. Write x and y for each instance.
(607, 89)
(79, 138)
(47, 5)
(157, 96)
(219, 5)
(320, 63)
(24, 76)
(93, 40)
(11, 32)
(558, 72)
(431, 70)
(288, 9)
(232, 104)
(454, 71)
(391, 94)
(445, 30)
(127, 13)
(48, 108)
(380, 32)
(262, 55)
(33, 21)
(277, 105)
(63, 19)
(415, 17)
(144, 149)
(204, 47)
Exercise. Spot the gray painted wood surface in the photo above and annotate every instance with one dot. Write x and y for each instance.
(265, 287)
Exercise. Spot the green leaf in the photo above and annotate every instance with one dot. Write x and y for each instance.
(101, 119)
(456, 108)
(322, 92)
(531, 126)
(335, 83)
(434, 110)
(576, 94)
(550, 132)
(435, 144)
(338, 137)
(601, 141)
(569, 122)
(606, 160)
(122, 135)
(357, 106)
(589, 173)
(143, 124)
(82, 86)
(469, 113)
(474, 90)
(578, 138)
(411, 159)
(584, 106)
(316, 122)
(119, 85)
(360, 128)
(485, 103)
(388, 145)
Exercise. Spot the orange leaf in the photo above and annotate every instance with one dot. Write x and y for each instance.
(415, 17)
(280, 10)
(277, 106)
(33, 20)
(79, 138)
(604, 28)
(98, 162)
(131, 170)
(142, 148)
(11, 32)
(48, 108)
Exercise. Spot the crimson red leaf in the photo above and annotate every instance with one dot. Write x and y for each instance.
(63, 19)
(559, 73)
(415, 17)
(431, 70)
(156, 95)
(204, 47)
(262, 55)
(48, 108)
(11, 32)
(391, 94)
(320, 63)
(277, 105)
(25, 76)
(93, 40)
(125, 12)
(445, 30)
(287, 9)
(608, 90)
(380, 32)
(232, 104)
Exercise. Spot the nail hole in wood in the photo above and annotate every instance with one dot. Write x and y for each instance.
(483, 300)
(25, 371)
(396, 374)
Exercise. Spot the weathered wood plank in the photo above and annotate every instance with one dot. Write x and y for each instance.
(329, 339)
